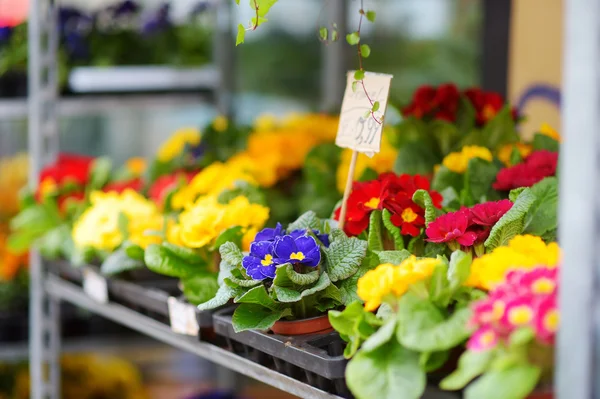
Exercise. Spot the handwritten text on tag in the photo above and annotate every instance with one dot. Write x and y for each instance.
(183, 317)
(95, 286)
(358, 129)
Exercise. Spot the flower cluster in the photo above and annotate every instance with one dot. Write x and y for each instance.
(164, 185)
(505, 152)
(201, 223)
(468, 226)
(526, 299)
(388, 280)
(442, 103)
(65, 179)
(10, 263)
(522, 252)
(273, 246)
(392, 192)
(535, 167)
(177, 144)
(13, 177)
(459, 161)
(99, 227)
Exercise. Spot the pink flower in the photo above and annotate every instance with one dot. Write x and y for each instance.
(540, 281)
(547, 319)
(483, 339)
(487, 214)
(519, 312)
(451, 227)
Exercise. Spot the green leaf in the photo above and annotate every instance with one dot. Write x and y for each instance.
(233, 234)
(394, 231)
(134, 251)
(423, 199)
(431, 361)
(376, 104)
(393, 257)
(365, 51)
(287, 295)
(353, 39)
(500, 130)
(381, 337)
(470, 365)
(439, 290)
(354, 85)
(348, 288)
(459, 269)
(423, 327)
(255, 317)
(389, 372)
(515, 156)
(235, 282)
(161, 260)
(374, 240)
(187, 254)
(323, 33)
(119, 262)
(241, 34)
(478, 180)
(231, 254)
(511, 224)
(222, 297)
(542, 216)
(344, 256)
(345, 321)
(515, 382)
(415, 158)
(360, 75)
(371, 15)
(514, 194)
(445, 178)
(301, 279)
(100, 173)
(123, 223)
(258, 296)
(308, 220)
(543, 142)
(254, 194)
(200, 288)
(521, 336)
(432, 250)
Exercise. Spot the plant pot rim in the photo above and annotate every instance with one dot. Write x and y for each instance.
(317, 324)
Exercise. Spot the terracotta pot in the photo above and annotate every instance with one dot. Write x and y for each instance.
(319, 324)
(541, 395)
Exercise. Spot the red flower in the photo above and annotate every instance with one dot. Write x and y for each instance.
(161, 188)
(364, 198)
(537, 166)
(486, 104)
(405, 185)
(488, 214)
(408, 216)
(434, 103)
(68, 168)
(451, 227)
(135, 184)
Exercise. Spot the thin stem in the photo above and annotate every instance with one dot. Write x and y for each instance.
(255, 22)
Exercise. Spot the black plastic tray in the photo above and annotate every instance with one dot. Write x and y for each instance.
(315, 359)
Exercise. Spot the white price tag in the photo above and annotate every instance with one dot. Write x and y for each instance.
(95, 286)
(183, 317)
(357, 130)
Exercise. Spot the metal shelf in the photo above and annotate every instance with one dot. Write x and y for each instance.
(62, 290)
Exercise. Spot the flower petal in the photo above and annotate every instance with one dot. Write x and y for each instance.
(260, 249)
(284, 247)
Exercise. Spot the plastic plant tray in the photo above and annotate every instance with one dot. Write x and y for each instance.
(315, 359)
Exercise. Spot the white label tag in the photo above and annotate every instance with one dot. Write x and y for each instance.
(357, 130)
(95, 286)
(183, 317)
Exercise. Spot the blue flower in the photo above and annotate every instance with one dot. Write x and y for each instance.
(270, 234)
(5, 33)
(302, 250)
(125, 8)
(261, 262)
(324, 238)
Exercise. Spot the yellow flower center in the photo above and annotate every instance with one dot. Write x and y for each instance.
(408, 215)
(373, 203)
(48, 186)
(551, 320)
(136, 165)
(488, 112)
(487, 338)
(267, 260)
(520, 315)
(498, 310)
(297, 256)
(543, 286)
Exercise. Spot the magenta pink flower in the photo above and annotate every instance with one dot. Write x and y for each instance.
(451, 227)
(488, 214)
(483, 339)
(519, 312)
(540, 281)
(547, 319)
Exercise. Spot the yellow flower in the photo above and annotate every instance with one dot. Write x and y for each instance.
(98, 226)
(220, 123)
(389, 280)
(522, 252)
(240, 212)
(136, 166)
(380, 163)
(175, 145)
(248, 237)
(13, 177)
(265, 122)
(458, 161)
(505, 152)
(549, 131)
(143, 231)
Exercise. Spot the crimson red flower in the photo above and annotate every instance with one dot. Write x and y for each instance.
(537, 166)
(364, 198)
(68, 168)
(408, 216)
(161, 188)
(135, 184)
(486, 104)
(450, 228)
(405, 185)
(488, 213)
(434, 103)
